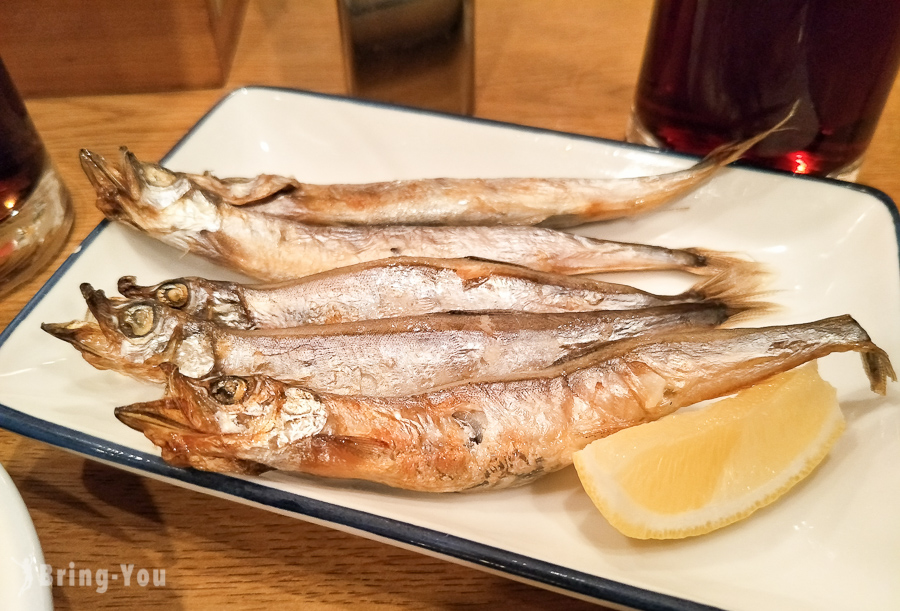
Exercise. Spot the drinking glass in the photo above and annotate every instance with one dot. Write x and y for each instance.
(410, 52)
(717, 71)
(35, 208)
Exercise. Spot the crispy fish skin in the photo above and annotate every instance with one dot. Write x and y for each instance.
(171, 208)
(551, 202)
(407, 287)
(478, 435)
(394, 356)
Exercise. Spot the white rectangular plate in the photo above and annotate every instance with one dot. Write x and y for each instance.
(833, 542)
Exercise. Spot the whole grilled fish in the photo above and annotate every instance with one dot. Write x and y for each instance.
(393, 356)
(551, 202)
(169, 206)
(406, 287)
(477, 435)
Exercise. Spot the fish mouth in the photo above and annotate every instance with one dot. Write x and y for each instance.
(81, 334)
(114, 186)
(88, 338)
(167, 424)
(182, 410)
(188, 396)
(171, 414)
(160, 416)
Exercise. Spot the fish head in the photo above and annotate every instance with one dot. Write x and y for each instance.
(150, 197)
(197, 297)
(223, 417)
(260, 410)
(127, 335)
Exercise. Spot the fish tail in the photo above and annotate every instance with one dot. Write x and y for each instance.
(878, 368)
(724, 361)
(852, 336)
(737, 283)
(732, 151)
(732, 279)
(842, 334)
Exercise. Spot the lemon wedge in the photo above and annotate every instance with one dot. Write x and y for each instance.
(694, 472)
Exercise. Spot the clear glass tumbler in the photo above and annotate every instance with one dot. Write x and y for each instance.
(410, 52)
(717, 71)
(35, 207)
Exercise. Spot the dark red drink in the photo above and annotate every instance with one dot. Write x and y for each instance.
(35, 209)
(22, 156)
(716, 71)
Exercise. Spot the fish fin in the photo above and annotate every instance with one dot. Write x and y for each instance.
(574, 352)
(478, 259)
(355, 445)
(473, 282)
(246, 191)
(473, 278)
(216, 464)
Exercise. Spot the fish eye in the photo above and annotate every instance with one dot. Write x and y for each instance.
(228, 390)
(138, 320)
(173, 294)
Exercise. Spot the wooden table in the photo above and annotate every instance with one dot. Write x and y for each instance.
(568, 65)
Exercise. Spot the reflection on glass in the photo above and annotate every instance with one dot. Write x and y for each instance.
(410, 52)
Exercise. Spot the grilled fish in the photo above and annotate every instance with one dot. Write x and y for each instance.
(407, 287)
(551, 202)
(481, 434)
(170, 207)
(393, 356)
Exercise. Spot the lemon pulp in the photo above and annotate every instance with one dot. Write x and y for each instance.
(694, 472)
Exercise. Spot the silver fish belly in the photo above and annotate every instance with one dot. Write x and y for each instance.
(407, 287)
(392, 356)
(480, 434)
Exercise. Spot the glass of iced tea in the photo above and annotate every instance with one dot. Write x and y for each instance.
(411, 52)
(716, 71)
(35, 207)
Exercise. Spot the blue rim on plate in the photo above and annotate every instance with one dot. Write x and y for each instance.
(476, 554)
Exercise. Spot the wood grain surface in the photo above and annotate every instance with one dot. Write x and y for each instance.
(567, 65)
(108, 46)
